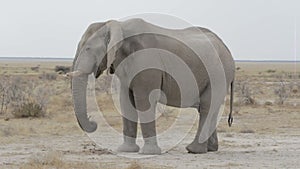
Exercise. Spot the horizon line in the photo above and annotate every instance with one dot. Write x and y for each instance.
(70, 58)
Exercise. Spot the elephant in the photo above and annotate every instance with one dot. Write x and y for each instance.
(106, 46)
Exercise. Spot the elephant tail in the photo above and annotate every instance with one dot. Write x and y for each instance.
(230, 118)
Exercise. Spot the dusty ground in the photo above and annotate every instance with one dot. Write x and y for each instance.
(265, 134)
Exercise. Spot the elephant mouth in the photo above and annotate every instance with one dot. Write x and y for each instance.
(98, 73)
(111, 69)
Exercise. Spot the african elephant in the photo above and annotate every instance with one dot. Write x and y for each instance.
(105, 46)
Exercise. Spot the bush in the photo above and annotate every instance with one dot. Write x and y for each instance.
(23, 97)
(29, 110)
(282, 92)
(244, 93)
(271, 71)
(62, 69)
(4, 95)
(35, 68)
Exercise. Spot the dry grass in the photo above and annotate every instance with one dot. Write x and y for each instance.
(55, 160)
(263, 117)
(134, 165)
(138, 165)
(60, 107)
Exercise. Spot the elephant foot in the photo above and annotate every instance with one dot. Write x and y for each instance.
(213, 143)
(197, 148)
(129, 145)
(129, 148)
(212, 148)
(150, 150)
(150, 147)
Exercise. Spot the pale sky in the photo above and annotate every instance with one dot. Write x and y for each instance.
(252, 29)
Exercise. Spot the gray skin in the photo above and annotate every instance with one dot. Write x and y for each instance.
(87, 34)
(93, 56)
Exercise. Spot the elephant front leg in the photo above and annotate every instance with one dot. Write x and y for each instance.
(150, 141)
(130, 119)
(129, 137)
(146, 113)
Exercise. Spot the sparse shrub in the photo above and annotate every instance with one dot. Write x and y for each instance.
(62, 69)
(29, 110)
(55, 159)
(4, 95)
(244, 93)
(48, 76)
(271, 71)
(42, 94)
(26, 98)
(282, 92)
(35, 68)
(49, 160)
(17, 92)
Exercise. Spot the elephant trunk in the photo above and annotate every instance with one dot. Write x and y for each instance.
(79, 86)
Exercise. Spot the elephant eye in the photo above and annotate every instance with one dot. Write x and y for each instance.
(87, 49)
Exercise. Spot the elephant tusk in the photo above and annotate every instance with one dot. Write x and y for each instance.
(74, 74)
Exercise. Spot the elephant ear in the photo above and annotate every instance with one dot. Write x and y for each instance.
(115, 41)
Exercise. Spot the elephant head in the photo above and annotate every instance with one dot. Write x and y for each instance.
(94, 54)
(94, 27)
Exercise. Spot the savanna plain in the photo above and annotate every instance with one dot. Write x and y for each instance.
(38, 128)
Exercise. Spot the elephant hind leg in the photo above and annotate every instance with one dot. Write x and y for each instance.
(213, 143)
(206, 136)
(210, 145)
(197, 147)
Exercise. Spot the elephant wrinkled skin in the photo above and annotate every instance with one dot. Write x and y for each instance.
(109, 44)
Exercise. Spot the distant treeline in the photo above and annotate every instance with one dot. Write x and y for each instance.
(36, 59)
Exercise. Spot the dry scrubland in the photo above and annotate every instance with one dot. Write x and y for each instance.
(45, 134)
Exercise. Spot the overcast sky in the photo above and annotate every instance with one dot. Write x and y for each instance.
(252, 29)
